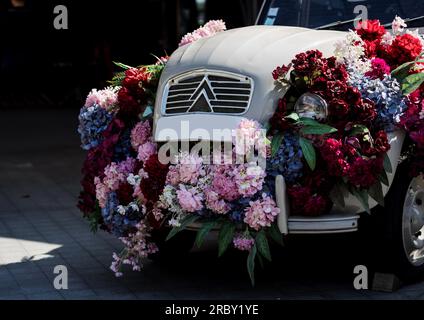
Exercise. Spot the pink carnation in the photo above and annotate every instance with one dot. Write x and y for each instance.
(190, 168)
(209, 29)
(243, 243)
(139, 135)
(261, 213)
(146, 150)
(249, 179)
(215, 203)
(190, 200)
(223, 182)
(379, 68)
(107, 98)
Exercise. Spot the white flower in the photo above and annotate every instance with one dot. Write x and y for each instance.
(174, 223)
(133, 180)
(134, 206)
(121, 210)
(398, 25)
(351, 52)
(387, 39)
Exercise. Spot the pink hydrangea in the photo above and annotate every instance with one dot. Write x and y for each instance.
(209, 29)
(146, 150)
(189, 199)
(190, 167)
(173, 176)
(107, 98)
(101, 192)
(243, 242)
(261, 213)
(140, 134)
(223, 182)
(215, 203)
(116, 173)
(249, 179)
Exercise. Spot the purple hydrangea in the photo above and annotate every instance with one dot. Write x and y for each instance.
(92, 122)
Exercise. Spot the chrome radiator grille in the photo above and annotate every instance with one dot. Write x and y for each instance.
(208, 91)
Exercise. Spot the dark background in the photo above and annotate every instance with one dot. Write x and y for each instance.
(44, 67)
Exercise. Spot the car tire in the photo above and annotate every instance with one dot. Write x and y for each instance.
(174, 248)
(394, 234)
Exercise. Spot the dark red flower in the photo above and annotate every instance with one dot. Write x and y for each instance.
(305, 63)
(135, 79)
(353, 96)
(278, 121)
(365, 111)
(153, 186)
(338, 108)
(364, 172)
(125, 193)
(281, 72)
(316, 205)
(129, 106)
(370, 30)
(298, 196)
(336, 89)
(332, 152)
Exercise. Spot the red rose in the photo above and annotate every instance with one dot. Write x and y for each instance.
(370, 30)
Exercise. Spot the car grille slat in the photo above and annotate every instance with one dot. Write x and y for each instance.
(208, 92)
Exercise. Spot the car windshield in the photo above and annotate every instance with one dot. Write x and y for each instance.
(317, 13)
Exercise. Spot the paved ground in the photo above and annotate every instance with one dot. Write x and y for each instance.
(41, 228)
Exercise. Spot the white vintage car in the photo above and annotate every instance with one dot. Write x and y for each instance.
(217, 81)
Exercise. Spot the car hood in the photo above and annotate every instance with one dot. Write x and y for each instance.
(251, 51)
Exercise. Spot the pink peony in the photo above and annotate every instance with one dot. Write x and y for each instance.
(261, 213)
(190, 200)
(140, 134)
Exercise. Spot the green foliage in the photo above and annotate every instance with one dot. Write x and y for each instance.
(412, 82)
(251, 264)
(276, 143)
(183, 224)
(262, 245)
(308, 152)
(225, 237)
(203, 232)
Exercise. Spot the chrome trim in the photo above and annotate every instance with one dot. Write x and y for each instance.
(205, 73)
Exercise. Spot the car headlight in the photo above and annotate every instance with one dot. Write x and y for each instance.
(311, 105)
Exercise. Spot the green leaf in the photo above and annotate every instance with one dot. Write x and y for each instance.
(262, 245)
(275, 234)
(121, 65)
(183, 224)
(376, 192)
(276, 143)
(308, 152)
(383, 178)
(293, 116)
(337, 196)
(362, 196)
(387, 164)
(412, 83)
(308, 121)
(318, 129)
(261, 261)
(202, 233)
(225, 237)
(401, 72)
(251, 264)
(359, 129)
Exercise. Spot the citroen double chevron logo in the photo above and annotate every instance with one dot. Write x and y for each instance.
(202, 97)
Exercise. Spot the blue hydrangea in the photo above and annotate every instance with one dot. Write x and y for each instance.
(119, 224)
(288, 160)
(92, 122)
(123, 148)
(387, 96)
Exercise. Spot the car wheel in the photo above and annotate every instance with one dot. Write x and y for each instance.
(176, 247)
(396, 231)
